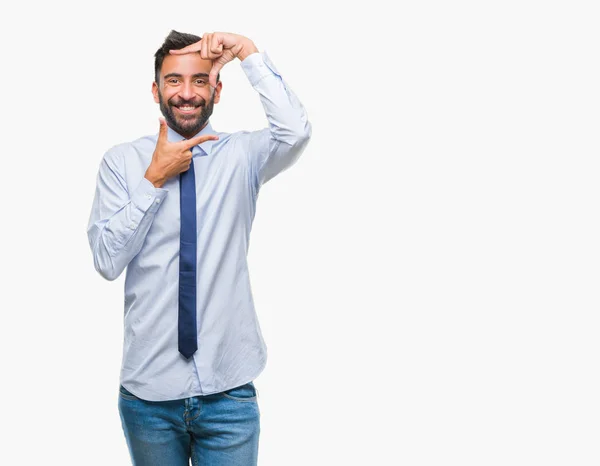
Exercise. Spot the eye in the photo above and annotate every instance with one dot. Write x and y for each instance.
(200, 82)
(173, 81)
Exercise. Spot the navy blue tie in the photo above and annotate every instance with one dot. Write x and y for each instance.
(187, 332)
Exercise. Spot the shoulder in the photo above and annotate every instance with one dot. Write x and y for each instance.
(240, 144)
(251, 140)
(124, 151)
(139, 146)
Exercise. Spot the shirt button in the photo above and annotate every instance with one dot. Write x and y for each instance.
(148, 196)
(157, 201)
(132, 226)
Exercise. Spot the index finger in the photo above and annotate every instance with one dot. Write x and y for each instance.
(195, 47)
(189, 143)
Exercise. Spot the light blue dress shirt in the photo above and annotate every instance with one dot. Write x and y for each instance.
(134, 225)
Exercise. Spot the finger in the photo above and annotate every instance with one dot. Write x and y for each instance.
(215, 46)
(195, 47)
(162, 131)
(214, 71)
(209, 47)
(189, 143)
(205, 41)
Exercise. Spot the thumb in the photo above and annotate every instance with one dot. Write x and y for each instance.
(214, 72)
(162, 132)
(219, 63)
(227, 56)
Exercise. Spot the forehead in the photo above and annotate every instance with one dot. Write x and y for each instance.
(186, 65)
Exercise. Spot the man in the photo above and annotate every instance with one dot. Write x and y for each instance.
(176, 210)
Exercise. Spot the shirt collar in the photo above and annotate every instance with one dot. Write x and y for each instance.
(201, 149)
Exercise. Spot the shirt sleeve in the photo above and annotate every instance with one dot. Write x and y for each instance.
(119, 220)
(275, 149)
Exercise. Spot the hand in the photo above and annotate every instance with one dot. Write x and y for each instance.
(171, 158)
(221, 47)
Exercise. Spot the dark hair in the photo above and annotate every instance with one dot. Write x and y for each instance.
(174, 41)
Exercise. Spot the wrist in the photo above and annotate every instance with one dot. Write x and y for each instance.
(157, 180)
(248, 48)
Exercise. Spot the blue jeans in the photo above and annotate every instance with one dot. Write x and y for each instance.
(221, 429)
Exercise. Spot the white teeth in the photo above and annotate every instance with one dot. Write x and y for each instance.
(187, 108)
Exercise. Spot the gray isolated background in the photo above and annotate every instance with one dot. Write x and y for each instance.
(426, 276)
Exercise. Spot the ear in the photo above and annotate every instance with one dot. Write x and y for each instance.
(218, 92)
(155, 92)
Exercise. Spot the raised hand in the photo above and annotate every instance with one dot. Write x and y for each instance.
(171, 158)
(221, 47)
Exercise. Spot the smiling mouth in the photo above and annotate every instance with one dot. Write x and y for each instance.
(187, 109)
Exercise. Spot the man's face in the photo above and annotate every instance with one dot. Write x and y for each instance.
(185, 97)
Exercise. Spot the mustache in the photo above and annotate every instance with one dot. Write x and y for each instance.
(183, 103)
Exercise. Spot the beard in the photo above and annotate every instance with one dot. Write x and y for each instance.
(186, 125)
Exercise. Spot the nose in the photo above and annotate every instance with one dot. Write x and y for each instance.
(187, 91)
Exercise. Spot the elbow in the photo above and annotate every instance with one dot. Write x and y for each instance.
(306, 132)
(105, 266)
(301, 135)
(109, 275)
(103, 262)
(294, 133)
(106, 271)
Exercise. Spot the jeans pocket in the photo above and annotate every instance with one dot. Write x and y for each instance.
(246, 392)
(126, 394)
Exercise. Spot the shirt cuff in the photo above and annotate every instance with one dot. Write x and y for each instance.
(147, 197)
(257, 66)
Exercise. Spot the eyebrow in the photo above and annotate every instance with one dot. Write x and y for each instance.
(177, 75)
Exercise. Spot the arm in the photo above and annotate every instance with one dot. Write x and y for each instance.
(119, 220)
(289, 129)
(271, 151)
